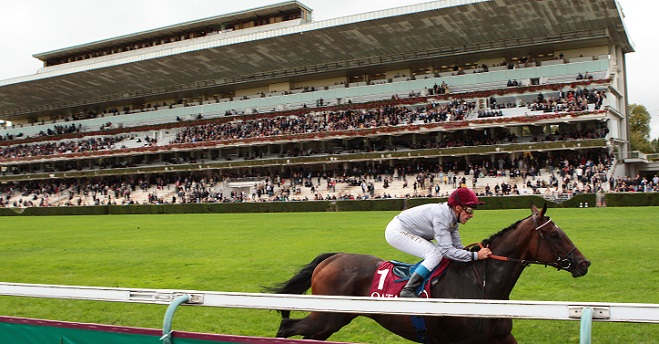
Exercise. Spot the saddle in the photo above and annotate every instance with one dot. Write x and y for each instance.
(391, 276)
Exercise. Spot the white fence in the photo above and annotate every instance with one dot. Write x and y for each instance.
(544, 310)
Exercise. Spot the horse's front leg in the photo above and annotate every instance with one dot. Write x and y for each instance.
(316, 325)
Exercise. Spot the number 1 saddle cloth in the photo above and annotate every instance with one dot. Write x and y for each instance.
(391, 276)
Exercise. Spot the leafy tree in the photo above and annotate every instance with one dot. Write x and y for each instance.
(639, 125)
(640, 143)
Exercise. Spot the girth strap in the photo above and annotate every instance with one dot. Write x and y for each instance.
(420, 326)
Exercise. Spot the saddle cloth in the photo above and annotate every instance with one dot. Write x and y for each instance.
(391, 276)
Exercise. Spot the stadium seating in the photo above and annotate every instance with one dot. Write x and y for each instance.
(133, 136)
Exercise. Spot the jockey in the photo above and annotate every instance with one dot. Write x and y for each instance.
(413, 229)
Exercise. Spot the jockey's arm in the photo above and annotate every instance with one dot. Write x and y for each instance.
(456, 240)
(446, 244)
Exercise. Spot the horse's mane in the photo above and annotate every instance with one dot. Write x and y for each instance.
(502, 232)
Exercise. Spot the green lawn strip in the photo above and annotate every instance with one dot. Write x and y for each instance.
(243, 252)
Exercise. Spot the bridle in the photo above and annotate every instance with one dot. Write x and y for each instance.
(562, 263)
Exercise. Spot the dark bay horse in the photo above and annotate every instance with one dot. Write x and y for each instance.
(532, 240)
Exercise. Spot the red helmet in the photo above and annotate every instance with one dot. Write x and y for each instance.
(465, 198)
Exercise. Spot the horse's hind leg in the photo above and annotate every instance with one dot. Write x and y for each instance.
(319, 326)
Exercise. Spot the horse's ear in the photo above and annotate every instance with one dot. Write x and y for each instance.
(544, 210)
(534, 209)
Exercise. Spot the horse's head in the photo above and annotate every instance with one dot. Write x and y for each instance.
(553, 247)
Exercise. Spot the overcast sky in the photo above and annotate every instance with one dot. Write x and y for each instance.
(29, 27)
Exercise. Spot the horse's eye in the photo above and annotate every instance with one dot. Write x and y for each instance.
(554, 235)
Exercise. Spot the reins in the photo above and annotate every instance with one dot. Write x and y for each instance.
(509, 259)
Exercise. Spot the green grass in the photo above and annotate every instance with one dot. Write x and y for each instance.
(244, 252)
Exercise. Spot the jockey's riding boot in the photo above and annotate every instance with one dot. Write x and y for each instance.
(409, 290)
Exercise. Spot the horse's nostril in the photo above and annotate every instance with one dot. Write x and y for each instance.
(585, 263)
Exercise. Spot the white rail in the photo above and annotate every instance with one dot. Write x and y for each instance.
(548, 310)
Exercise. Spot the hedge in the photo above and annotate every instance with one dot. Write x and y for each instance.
(631, 199)
(397, 204)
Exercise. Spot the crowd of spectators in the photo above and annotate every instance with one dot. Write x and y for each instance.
(570, 101)
(586, 76)
(636, 184)
(60, 147)
(487, 113)
(554, 178)
(91, 191)
(442, 88)
(573, 177)
(328, 121)
(318, 122)
(61, 130)
(325, 121)
(583, 134)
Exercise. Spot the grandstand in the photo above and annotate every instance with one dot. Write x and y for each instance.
(267, 105)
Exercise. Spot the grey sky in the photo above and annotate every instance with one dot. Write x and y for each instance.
(34, 26)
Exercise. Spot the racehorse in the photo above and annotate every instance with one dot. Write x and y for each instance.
(535, 239)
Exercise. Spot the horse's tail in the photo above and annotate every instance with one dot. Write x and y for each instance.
(299, 283)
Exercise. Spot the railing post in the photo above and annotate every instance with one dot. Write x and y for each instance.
(169, 315)
(586, 325)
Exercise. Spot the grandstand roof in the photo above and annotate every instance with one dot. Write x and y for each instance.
(216, 22)
(416, 36)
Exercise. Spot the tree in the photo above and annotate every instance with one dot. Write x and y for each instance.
(639, 125)
(640, 143)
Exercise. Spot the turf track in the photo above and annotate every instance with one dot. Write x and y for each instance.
(243, 252)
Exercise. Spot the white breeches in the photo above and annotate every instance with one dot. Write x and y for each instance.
(412, 244)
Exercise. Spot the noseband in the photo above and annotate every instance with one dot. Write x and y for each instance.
(562, 263)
